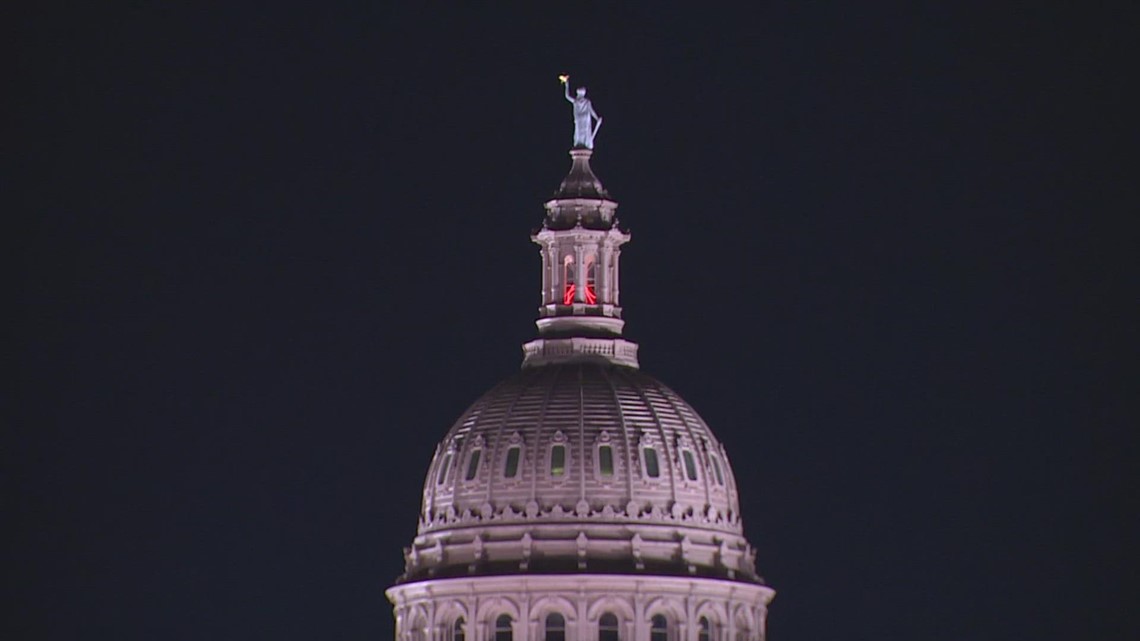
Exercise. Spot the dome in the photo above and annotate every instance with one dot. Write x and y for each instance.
(580, 465)
(580, 497)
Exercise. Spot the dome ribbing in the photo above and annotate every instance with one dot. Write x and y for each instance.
(580, 462)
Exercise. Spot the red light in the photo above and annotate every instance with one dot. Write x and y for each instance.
(568, 295)
(591, 297)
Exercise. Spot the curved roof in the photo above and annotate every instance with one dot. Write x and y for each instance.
(585, 463)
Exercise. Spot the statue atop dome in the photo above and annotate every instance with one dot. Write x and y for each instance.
(584, 133)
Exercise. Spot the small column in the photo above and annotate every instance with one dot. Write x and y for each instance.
(603, 271)
(546, 276)
(617, 277)
(580, 270)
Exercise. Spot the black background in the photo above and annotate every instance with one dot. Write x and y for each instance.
(265, 256)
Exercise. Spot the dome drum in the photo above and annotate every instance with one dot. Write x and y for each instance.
(584, 607)
(576, 547)
(580, 465)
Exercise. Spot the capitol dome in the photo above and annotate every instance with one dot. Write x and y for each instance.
(583, 464)
(580, 499)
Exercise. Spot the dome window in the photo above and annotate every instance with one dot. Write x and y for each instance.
(457, 631)
(503, 628)
(558, 460)
(441, 478)
(716, 470)
(606, 460)
(473, 465)
(658, 628)
(690, 464)
(652, 468)
(511, 468)
(608, 627)
(555, 627)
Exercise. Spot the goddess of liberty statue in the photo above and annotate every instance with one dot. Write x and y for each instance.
(583, 111)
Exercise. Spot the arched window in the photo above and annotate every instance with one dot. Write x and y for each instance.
(555, 627)
(690, 464)
(473, 464)
(457, 631)
(704, 630)
(658, 628)
(591, 280)
(503, 628)
(652, 469)
(511, 467)
(443, 470)
(605, 460)
(568, 291)
(558, 460)
(608, 627)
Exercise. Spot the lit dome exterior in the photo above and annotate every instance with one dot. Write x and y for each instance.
(588, 450)
(580, 499)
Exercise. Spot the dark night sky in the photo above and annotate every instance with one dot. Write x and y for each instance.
(264, 258)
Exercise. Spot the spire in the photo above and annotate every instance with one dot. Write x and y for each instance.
(580, 315)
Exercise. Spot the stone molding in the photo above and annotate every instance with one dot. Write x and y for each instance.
(543, 351)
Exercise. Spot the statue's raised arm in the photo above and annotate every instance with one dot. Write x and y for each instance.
(584, 133)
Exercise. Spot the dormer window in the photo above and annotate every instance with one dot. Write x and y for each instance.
(606, 460)
(558, 460)
(652, 467)
(716, 470)
(690, 464)
(442, 476)
(473, 465)
(511, 467)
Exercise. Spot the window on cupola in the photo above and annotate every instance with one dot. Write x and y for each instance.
(568, 279)
(704, 630)
(591, 279)
(457, 632)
